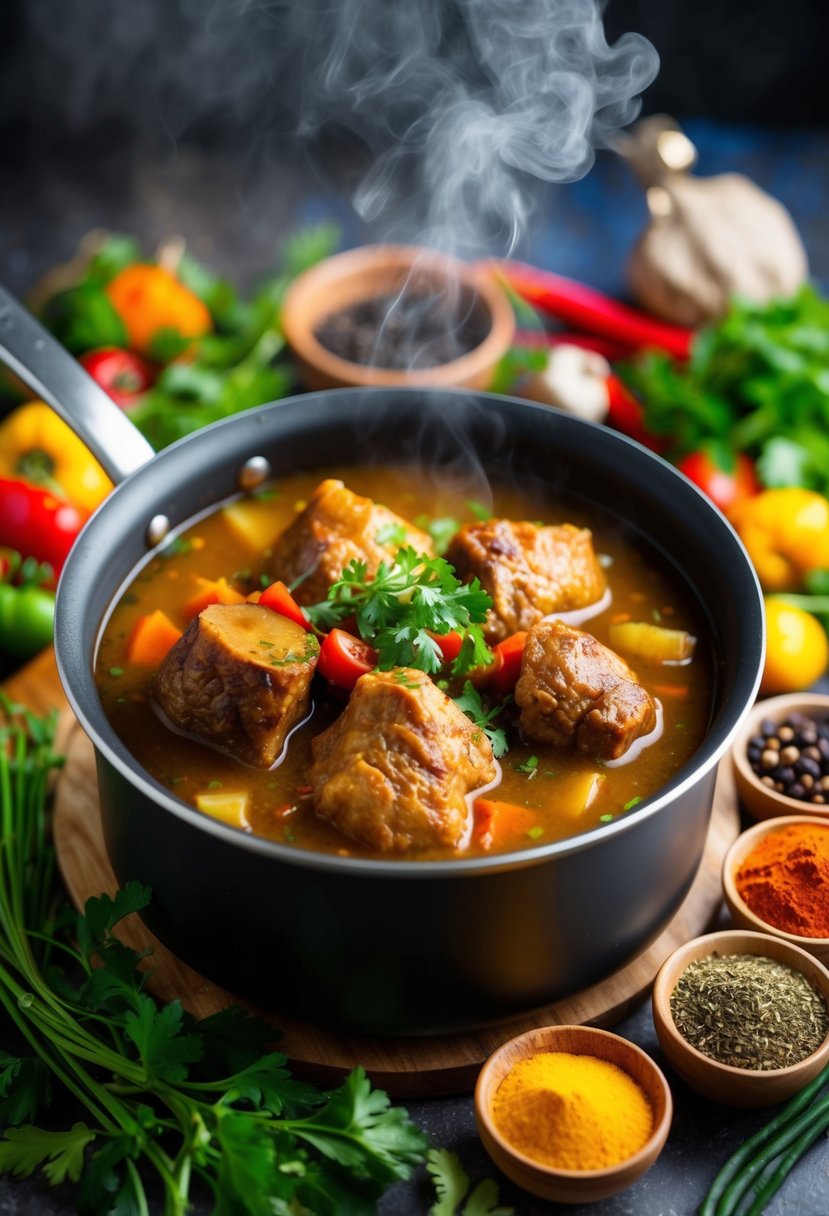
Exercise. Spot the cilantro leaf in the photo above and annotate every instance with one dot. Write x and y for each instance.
(405, 601)
(268, 1085)
(59, 1154)
(359, 1129)
(157, 1033)
(102, 914)
(24, 1088)
(441, 530)
(452, 1184)
(248, 1178)
(232, 1039)
(109, 1182)
(450, 1179)
(471, 704)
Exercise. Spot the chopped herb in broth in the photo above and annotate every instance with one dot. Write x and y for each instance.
(538, 778)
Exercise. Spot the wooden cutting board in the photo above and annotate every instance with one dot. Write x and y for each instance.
(405, 1067)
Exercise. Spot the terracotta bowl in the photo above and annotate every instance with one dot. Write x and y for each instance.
(741, 913)
(377, 270)
(572, 1186)
(724, 1083)
(759, 800)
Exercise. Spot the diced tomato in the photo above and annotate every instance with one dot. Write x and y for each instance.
(507, 667)
(278, 598)
(726, 479)
(450, 644)
(494, 821)
(344, 658)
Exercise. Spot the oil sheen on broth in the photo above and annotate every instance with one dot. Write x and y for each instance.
(642, 589)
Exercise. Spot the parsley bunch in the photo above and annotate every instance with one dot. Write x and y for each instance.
(757, 382)
(192, 1101)
(399, 608)
(472, 705)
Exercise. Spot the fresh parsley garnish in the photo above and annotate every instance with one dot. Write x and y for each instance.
(481, 512)
(391, 534)
(402, 604)
(167, 1098)
(471, 704)
(452, 1186)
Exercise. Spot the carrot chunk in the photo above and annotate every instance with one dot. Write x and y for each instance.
(211, 591)
(151, 638)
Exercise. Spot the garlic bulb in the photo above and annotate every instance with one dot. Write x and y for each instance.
(718, 237)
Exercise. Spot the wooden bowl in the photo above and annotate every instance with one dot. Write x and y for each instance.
(572, 1186)
(741, 913)
(724, 1083)
(377, 270)
(759, 800)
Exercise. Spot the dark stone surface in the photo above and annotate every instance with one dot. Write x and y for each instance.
(235, 217)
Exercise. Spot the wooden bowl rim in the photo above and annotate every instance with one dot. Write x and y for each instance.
(740, 849)
(733, 941)
(307, 291)
(638, 1162)
(776, 708)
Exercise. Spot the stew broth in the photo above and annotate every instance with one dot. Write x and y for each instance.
(642, 589)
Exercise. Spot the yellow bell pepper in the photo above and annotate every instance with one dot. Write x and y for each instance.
(37, 446)
(786, 533)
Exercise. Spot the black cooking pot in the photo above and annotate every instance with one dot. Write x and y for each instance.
(393, 946)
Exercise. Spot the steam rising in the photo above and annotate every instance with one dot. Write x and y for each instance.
(460, 107)
(463, 105)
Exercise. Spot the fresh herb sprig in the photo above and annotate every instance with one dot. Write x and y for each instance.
(206, 1102)
(757, 381)
(452, 1187)
(471, 703)
(399, 608)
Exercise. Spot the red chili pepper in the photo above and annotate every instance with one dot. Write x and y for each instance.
(278, 598)
(344, 658)
(590, 310)
(535, 339)
(120, 373)
(724, 486)
(36, 523)
(626, 414)
(508, 656)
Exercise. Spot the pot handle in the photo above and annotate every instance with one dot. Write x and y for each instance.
(49, 370)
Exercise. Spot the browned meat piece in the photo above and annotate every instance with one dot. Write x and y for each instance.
(575, 692)
(336, 528)
(239, 679)
(394, 769)
(528, 570)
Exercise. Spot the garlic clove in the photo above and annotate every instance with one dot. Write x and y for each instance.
(575, 380)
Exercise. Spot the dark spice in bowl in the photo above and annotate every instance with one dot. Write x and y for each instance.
(792, 757)
(749, 1011)
(407, 330)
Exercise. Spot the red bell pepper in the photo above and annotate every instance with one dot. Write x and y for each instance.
(591, 311)
(37, 523)
(120, 373)
(508, 655)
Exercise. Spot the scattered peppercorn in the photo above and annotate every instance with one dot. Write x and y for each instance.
(792, 757)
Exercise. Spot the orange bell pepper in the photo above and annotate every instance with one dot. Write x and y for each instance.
(150, 300)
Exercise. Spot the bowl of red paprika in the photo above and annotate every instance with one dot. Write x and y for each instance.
(776, 881)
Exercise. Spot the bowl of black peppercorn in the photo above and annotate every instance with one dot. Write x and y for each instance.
(781, 757)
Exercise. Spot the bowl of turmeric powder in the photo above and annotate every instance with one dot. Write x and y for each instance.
(776, 881)
(572, 1113)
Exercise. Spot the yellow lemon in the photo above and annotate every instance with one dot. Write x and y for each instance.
(797, 650)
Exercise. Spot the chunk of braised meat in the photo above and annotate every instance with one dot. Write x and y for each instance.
(575, 692)
(529, 570)
(337, 527)
(239, 678)
(393, 770)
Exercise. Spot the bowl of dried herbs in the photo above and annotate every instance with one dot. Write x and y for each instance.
(742, 1017)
